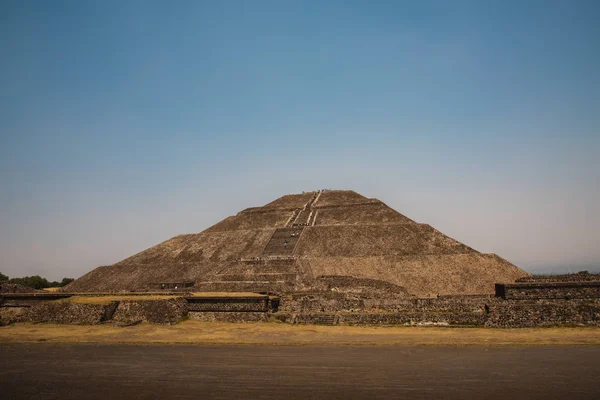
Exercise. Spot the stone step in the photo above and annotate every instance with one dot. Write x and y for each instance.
(277, 245)
(265, 267)
(316, 319)
(264, 277)
(245, 286)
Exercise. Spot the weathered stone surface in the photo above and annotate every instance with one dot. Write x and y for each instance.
(256, 304)
(325, 308)
(15, 288)
(10, 315)
(60, 312)
(168, 311)
(347, 302)
(362, 286)
(415, 319)
(579, 277)
(523, 314)
(550, 290)
(229, 316)
(325, 233)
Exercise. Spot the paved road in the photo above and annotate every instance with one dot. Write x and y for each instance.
(297, 372)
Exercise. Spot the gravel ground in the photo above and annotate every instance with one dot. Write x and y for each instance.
(76, 371)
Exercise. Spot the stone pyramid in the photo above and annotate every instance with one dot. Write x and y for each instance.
(299, 241)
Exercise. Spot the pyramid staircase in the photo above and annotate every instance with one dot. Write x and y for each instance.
(282, 242)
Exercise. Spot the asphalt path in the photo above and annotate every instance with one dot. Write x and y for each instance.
(84, 371)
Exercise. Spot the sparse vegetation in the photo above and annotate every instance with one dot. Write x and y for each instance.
(108, 299)
(35, 281)
(276, 333)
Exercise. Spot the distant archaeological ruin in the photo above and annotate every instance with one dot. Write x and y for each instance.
(324, 257)
(298, 240)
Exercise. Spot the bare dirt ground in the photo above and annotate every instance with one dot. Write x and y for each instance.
(92, 371)
(281, 334)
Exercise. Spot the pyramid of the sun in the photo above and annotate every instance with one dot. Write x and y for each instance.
(290, 243)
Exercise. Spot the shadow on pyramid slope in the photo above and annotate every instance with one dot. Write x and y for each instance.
(291, 243)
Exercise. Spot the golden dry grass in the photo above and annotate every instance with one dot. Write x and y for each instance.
(226, 294)
(109, 299)
(285, 334)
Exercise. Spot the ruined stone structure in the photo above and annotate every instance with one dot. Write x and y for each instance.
(325, 308)
(306, 242)
(326, 257)
(549, 290)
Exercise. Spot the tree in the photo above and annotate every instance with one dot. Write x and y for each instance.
(36, 282)
(66, 281)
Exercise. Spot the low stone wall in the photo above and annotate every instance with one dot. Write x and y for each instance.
(345, 302)
(10, 315)
(320, 308)
(29, 299)
(229, 316)
(233, 304)
(579, 277)
(415, 319)
(386, 318)
(523, 314)
(60, 312)
(549, 290)
(454, 311)
(15, 288)
(168, 311)
(159, 311)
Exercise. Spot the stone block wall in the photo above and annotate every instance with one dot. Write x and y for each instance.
(579, 277)
(57, 312)
(415, 319)
(168, 311)
(10, 315)
(344, 302)
(228, 316)
(549, 290)
(528, 313)
(66, 313)
(363, 286)
(517, 310)
(239, 304)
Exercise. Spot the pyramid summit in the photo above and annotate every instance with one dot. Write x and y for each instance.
(303, 242)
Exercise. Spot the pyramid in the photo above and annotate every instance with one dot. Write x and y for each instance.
(298, 242)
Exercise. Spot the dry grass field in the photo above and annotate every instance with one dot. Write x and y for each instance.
(108, 298)
(51, 289)
(284, 334)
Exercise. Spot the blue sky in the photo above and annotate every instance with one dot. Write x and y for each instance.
(124, 123)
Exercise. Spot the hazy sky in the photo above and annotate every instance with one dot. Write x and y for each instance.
(124, 123)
